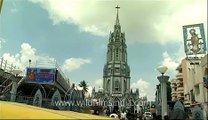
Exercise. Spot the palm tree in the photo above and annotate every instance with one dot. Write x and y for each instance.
(73, 86)
(84, 85)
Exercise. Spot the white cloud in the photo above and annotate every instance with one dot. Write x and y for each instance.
(169, 62)
(99, 82)
(173, 61)
(74, 64)
(2, 40)
(21, 59)
(143, 21)
(142, 85)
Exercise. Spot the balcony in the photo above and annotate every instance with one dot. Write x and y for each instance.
(180, 96)
(180, 92)
(179, 75)
(180, 89)
(179, 85)
(186, 102)
(173, 86)
(174, 99)
(179, 82)
(174, 95)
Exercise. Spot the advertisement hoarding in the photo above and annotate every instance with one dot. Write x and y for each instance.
(194, 39)
(41, 75)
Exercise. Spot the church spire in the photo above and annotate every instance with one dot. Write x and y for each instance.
(117, 18)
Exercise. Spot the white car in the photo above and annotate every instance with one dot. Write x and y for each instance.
(113, 115)
(147, 115)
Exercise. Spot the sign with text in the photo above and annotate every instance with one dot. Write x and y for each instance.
(41, 75)
(117, 94)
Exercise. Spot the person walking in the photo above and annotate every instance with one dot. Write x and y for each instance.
(178, 112)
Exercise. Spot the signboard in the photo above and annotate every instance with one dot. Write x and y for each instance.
(117, 94)
(40, 75)
(194, 39)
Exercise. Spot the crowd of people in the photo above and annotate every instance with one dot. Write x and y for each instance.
(124, 115)
(177, 113)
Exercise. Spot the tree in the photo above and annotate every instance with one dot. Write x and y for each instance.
(73, 86)
(84, 85)
(169, 91)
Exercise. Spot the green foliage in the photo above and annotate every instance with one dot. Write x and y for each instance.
(84, 85)
(169, 91)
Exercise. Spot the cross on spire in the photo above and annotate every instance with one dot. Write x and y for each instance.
(117, 7)
(117, 20)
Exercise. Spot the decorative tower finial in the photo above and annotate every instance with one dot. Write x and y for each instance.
(117, 18)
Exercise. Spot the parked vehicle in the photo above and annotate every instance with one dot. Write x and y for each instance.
(147, 115)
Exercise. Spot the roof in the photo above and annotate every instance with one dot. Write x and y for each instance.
(12, 110)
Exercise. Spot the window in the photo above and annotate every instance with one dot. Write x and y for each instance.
(117, 57)
(117, 85)
(123, 55)
(109, 70)
(125, 85)
(108, 85)
(111, 54)
(117, 70)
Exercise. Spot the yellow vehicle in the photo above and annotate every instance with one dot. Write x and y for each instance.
(12, 110)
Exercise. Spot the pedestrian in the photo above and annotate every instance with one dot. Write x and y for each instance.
(154, 116)
(107, 112)
(159, 117)
(166, 117)
(178, 112)
(197, 112)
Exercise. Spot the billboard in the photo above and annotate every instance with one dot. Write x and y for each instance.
(194, 39)
(41, 75)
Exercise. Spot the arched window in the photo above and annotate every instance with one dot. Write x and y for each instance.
(117, 85)
(117, 55)
(108, 85)
(125, 85)
(111, 54)
(123, 55)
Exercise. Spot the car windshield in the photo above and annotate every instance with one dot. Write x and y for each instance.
(147, 113)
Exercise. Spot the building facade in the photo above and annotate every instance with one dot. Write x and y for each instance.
(116, 74)
(177, 86)
(189, 85)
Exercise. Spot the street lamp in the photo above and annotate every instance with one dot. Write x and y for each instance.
(163, 82)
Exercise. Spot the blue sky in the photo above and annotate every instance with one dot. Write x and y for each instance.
(75, 34)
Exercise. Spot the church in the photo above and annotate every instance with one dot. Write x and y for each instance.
(116, 92)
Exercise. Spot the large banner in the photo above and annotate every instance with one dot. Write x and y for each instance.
(41, 75)
(194, 39)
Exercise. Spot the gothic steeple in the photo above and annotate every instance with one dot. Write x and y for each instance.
(117, 27)
(116, 72)
(117, 18)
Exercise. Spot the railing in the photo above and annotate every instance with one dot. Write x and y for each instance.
(5, 66)
(7, 84)
(53, 64)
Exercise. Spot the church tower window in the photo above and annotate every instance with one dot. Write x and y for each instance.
(116, 85)
(117, 55)
(111, 54)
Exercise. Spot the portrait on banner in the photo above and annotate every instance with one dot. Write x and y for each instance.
(194, 39)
